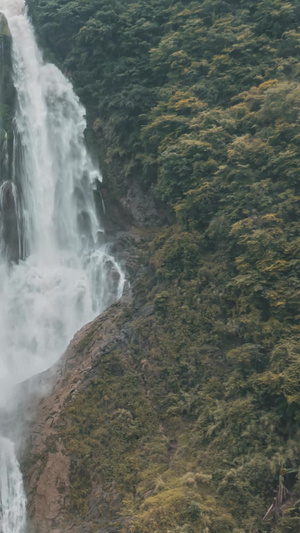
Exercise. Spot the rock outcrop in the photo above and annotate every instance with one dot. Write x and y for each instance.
(8, 209)
(46, 463)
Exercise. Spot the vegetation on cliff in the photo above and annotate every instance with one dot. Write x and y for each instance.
(199, 102)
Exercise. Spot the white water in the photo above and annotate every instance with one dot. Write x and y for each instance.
(62, 279)
(13, 502)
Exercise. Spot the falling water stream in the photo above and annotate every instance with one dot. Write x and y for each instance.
(54, 273)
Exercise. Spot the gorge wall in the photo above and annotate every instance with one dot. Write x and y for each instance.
(178, 408)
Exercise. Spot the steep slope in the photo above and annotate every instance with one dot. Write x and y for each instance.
(55, 472)
(192, 422)
(99, 445)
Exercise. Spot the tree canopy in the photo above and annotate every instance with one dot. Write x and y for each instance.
(200, 103)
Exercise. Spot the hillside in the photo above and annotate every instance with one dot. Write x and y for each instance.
(190, 424)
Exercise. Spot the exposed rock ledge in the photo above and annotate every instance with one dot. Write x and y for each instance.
(45, 464)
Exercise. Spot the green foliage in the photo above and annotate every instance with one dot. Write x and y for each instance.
(152, 67)
(199, 101)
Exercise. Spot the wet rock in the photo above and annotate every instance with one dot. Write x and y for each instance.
(4, 29)
(141, 206)
(9, 222)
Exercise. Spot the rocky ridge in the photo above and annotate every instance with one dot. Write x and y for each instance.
(46, 463)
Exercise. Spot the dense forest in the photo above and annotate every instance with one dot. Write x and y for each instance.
(199, 103)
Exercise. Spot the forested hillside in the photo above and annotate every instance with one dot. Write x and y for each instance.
(199, 103)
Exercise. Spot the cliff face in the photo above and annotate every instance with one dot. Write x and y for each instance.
(178, 409)
(101, 456)
(104, 452)
(8, 207)
(134, 433)
(48, 464)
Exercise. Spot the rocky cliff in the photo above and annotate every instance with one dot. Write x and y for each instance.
(101, 454)
(49, 464)
(8, 170)
(178, 409)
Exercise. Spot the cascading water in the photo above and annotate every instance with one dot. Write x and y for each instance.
(54, 274)
(13, 501)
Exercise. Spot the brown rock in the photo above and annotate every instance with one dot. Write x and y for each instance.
(45, 465)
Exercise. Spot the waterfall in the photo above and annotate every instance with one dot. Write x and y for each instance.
(55, 275)
(13, 502)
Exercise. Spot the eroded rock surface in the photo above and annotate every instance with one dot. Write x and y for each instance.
(45, 462)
